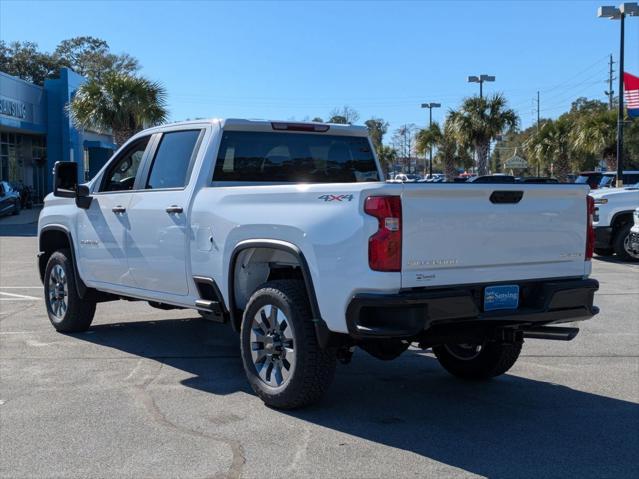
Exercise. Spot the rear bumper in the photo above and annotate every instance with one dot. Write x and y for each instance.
(413, 313)
(603, 237)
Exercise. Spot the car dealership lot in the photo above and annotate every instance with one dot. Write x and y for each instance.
(150, 393)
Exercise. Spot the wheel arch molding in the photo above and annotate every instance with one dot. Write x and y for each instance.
(321, 329)
(49, 241)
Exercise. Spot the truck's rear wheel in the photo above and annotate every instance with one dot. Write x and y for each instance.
(67, 312)
(477, 361)
(283, 362)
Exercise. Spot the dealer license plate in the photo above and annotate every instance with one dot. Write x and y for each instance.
(501, 297)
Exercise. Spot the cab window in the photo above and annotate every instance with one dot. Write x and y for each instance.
(172, 160)
(121, 174)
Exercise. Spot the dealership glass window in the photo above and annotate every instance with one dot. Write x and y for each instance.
(39, 158)
(10, 145)
(85, 162)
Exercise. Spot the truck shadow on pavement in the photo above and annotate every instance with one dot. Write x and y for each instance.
(507, 427)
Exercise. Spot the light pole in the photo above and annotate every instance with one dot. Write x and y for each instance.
(614, 13)
(430, 107)
(480, 79)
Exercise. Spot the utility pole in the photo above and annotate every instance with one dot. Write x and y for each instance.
(610, 93)
(538, 169)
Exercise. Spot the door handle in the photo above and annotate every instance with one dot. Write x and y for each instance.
(118, 209)
(174, 209)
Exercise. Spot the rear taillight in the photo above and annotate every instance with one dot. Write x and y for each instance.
(385, 246)
(590, 230)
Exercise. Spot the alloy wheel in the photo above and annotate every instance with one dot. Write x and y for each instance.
(464, 352)
(58, 291)
(272, 346)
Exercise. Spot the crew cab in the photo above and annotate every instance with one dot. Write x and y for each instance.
(288, 232)
(614, 208)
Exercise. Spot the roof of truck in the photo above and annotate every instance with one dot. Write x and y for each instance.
(242, 124)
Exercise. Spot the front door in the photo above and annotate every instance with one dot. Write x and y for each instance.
(103, 228)
(159, 226)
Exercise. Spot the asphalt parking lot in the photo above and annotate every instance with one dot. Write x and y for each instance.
(161, 394)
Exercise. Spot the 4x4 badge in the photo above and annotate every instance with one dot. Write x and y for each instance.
(336, 197)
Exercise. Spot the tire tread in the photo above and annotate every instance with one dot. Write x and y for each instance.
(319, 364)
(80, 312)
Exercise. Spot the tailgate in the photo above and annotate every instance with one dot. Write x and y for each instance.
(478, 233)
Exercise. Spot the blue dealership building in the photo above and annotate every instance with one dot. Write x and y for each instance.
(36, 131)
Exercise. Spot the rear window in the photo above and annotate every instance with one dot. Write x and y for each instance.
(592, 180)
(267, 157)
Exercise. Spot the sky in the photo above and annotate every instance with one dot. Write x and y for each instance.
(299, 60)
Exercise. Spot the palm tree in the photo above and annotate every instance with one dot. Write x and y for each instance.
(596, 133)
(445, 142)
(126, 104)
(481, 120)
(427, 138)
(553, 142)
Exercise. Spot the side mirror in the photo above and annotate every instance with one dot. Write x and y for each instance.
(65, 179)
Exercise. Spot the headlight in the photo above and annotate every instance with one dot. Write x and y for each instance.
(601, 201)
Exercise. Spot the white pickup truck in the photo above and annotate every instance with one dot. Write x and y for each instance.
(288, 232)
(613, 220)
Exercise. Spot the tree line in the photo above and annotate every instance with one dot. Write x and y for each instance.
(580, 139)
(481, 133)
(115, 96)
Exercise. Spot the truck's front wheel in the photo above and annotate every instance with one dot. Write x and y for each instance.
(477, 361)
(283, 361)
(621, 244)
(67, 312)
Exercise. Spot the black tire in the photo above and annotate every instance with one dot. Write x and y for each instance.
(493, 359)
(619, 243)
(16, 208)
(78, 313)
(314, 367)
(604, 251)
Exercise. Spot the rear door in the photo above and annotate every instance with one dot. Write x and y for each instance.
(158, 231)
(478, 233)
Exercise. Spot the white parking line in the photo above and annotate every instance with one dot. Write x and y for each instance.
(18, 297)
(21, 287)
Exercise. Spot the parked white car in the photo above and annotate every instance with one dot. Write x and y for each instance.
(634, 234)
(613, 220)
(407, 177)
(288, 232)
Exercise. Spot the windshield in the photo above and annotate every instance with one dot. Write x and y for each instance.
(606, 180)
(294, 158)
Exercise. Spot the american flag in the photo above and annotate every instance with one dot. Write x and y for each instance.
(631, 87)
